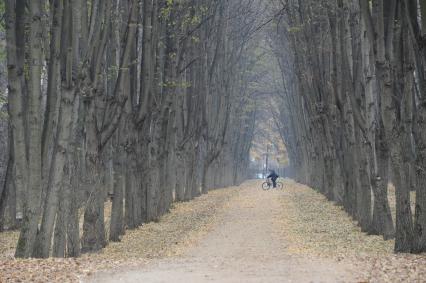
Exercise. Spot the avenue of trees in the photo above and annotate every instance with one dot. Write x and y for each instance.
(148, 102)
(141, 101)
(353, 106)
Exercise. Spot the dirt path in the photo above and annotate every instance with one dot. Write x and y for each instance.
(245, 246)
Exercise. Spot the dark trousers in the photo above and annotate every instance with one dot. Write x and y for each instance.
(274, 182)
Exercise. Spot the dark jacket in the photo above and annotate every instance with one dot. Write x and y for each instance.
(273, 175)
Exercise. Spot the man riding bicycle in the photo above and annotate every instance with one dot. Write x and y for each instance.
(273, 176)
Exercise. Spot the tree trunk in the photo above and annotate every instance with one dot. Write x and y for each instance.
(420, 212)
(117, 224)
(93, 226)
(382, 223)
(27, 238)
(16, 108)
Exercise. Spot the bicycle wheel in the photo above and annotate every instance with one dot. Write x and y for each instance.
(280, 185)
(265, 186)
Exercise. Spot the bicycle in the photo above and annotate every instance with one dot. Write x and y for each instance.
(269, 185)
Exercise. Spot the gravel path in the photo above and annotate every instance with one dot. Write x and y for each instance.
(246, 245)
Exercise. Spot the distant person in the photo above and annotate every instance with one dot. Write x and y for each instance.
(273, 176)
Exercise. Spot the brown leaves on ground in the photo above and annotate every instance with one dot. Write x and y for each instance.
(185, 224)
(315, 227)
(311, 225)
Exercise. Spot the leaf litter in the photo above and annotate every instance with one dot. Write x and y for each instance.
(184, 226)
(311, 226)
(318, 228)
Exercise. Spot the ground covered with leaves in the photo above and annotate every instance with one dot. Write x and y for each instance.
(184, 225)
(309, 226)
(316, 227)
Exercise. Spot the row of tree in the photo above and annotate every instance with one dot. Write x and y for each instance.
(353, 107)
(149, 96)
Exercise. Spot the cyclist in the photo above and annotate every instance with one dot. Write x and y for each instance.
(273, 176)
